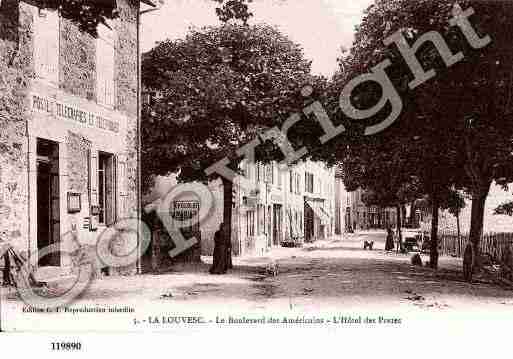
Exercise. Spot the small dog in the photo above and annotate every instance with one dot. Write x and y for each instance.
(368, 245)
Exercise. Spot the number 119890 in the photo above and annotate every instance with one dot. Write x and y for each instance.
(66, 346)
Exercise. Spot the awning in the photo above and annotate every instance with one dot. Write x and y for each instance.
(319, 211)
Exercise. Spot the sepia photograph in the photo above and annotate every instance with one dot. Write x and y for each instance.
(227, 167)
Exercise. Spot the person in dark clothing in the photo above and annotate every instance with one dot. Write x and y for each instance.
(389, 243)
(6, 271)
(229, 264)
(219, 263)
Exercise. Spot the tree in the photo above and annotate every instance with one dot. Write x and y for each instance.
(455, 202)
(461, 117)
(386, 181)
(217, 89)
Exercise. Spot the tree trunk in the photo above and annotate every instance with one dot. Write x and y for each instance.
(458, 226)
(227, 219)
(399, 234)
(433, 250)
(480, 172)
(155, 250)
(476, 224)
(413, 223)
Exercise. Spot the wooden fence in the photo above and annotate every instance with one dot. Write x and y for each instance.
(491, 243)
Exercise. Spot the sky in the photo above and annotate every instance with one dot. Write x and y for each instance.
(322, 27)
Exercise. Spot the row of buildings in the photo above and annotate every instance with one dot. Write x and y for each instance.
(352, 214)
(282, 206)
(292, 205)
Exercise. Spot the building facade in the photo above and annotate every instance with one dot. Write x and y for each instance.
(295, 204)
(342, 205)
(283, 205)
(68, 163)
(359, 216)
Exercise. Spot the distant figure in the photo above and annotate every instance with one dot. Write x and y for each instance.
(6, 272)
(416, 260)
(219, 263)
(389, 243)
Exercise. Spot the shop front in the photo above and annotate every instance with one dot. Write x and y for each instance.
(79, 165)
(277, 232)
(317, 220)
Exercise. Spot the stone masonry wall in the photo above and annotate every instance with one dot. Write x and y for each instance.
(126, 84)
(125, 79)
(77, 148)
(16, 70)
(77, 63)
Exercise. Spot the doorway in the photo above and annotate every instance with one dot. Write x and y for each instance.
(277, 224)
(48, 200)
(309, 223)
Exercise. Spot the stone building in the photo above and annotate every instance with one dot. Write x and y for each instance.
(68, 159)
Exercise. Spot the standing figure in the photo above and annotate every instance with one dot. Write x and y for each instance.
(389, 243)
(6, 272)
(219, 263)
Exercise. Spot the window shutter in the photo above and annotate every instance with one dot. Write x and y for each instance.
(122, 186)
(105, 65)
(46, 45)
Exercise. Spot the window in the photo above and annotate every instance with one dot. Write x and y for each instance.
(260, 219)
(250, 223)
(269, 173)
(122, 175)
(259, 172)
(105, 66)
(291, 184)
(106, 188)
(309, 182)
(46, 45)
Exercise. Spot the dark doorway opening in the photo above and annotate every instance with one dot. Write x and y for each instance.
(309, 224)
(277, 224)
(48, 201)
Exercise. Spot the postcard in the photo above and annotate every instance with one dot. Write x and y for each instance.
(201, 166)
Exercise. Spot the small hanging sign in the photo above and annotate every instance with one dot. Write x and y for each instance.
(74, 202)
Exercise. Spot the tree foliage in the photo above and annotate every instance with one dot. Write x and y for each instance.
(216, 90)
(86, 14)
(233, 10)
(454, 129)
